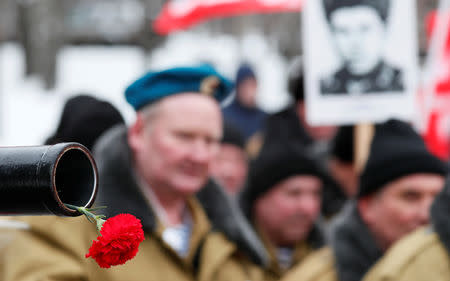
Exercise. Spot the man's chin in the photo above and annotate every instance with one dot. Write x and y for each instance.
(297, 237)
(190, 187)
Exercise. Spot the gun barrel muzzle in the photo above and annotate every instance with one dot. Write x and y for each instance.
(38, 180)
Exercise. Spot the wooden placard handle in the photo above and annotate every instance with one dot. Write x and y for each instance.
(363, 139)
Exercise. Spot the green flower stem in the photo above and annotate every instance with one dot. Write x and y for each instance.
(97, 219)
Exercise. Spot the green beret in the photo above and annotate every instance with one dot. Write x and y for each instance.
(154, 86)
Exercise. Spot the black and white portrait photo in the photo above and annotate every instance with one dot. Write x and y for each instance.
(360, 59)
(358, 30)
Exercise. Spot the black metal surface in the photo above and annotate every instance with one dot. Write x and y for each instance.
(37, 180)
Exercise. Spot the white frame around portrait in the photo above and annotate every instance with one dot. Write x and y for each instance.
(320, 60)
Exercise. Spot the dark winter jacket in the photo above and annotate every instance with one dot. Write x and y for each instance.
(353, 244)
(248, 120)
(350, 256)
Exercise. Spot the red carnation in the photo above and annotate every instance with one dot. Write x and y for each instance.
(118, 242)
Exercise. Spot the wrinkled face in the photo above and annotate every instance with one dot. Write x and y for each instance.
(359, 34)
(230, 168)
(174, 147)
(286, 213)
(246, 92)
(401, 207)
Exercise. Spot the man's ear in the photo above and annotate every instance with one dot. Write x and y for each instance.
(364, 206)
(135, 132)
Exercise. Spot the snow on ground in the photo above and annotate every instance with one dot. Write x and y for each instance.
(29, 113)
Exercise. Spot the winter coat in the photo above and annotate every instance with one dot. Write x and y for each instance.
(420, 256)
(352, 252)
(301, 252)
(354, 247)
(319, 266)
(54, 248)
(423, 255)
(249, 121)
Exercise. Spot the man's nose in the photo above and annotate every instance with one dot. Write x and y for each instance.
(424, 211)
(200, 152)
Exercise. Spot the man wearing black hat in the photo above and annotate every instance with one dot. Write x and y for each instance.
(158, 170)
(230, 167)
(358, 29)
(422, 255)
(398, 184)
(80, 110)
(290, 127)
(283, 201)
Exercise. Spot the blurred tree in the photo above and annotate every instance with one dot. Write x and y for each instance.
(148, 39)
(40, 25)
(7, 17)
(43, 26)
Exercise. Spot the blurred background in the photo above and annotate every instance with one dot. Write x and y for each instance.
(53, 49)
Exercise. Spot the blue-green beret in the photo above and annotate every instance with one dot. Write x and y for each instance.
(153, 86)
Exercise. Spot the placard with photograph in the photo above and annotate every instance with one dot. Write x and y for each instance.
(360, 59)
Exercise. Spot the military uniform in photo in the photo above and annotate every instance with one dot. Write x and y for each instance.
(384, 78)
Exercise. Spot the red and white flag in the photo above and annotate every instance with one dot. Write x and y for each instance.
(436, 94)
(182, 14)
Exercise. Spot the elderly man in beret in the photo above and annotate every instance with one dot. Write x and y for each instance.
(158, 170)
(358, 30)
(396, 189)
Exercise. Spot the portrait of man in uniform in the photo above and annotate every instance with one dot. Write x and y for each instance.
(358, 31)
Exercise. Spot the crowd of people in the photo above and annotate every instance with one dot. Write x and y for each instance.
(237, 194)
(230, 192)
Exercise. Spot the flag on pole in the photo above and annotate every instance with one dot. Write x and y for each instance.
(437, 88)
(182, 14)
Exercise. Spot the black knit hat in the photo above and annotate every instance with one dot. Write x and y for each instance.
(380, 6)
(342, 146)
(231, 135)
(274, 165)
(396, 151)
(84, 119)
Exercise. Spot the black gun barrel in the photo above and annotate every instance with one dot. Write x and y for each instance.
(38, 180)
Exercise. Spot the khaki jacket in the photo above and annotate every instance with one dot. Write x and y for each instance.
(54, 249)
(223, 262)
(318, 266)
(274, 271)
(419, 256)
